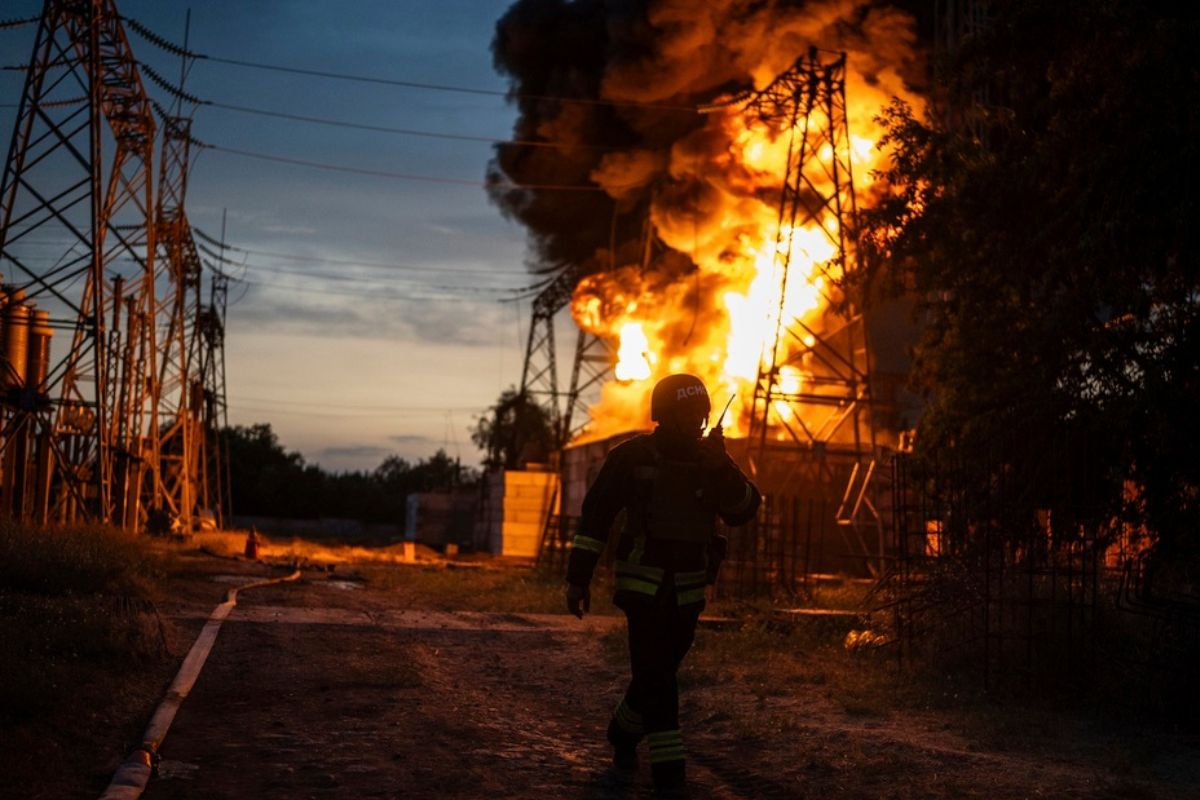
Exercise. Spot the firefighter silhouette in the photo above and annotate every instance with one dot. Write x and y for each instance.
(673, 485)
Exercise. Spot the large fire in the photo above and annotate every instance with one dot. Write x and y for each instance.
(720, 322)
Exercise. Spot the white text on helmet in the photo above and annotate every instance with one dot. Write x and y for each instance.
(685, 392)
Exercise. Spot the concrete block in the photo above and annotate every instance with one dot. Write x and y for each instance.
(510, 529)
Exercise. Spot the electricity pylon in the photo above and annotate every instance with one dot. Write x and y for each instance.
(813, 390)
(214, 491)
(591, 366)
(180, 438)
(539, 372)
(77, 232)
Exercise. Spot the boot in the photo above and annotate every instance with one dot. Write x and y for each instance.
(670, 779)
(624, 748)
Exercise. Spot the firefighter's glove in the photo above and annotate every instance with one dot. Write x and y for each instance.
(579, 600)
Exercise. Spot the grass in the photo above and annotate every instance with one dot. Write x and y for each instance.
(85, 653)
(510, 590)
(71, 600)
(72, 561)
(774, 660)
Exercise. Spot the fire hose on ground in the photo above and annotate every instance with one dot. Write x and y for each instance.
(132, 777)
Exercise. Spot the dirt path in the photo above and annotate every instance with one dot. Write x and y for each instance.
(316, 692)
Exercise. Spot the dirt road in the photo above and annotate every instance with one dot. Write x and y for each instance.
(318, 691)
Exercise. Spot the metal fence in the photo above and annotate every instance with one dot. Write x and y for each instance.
(793, 541)
(1032, 581)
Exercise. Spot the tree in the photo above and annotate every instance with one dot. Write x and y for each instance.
(266, 479)
(1053, 247)
(271, 481)
(516, 430)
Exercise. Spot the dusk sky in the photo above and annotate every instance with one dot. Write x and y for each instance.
(365, 322)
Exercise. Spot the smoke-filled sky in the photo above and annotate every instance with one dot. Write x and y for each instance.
(700, 291)
(352, 367)
(367, 318)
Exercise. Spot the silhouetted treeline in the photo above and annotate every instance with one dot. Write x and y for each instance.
(270, 481)
(1044, 214)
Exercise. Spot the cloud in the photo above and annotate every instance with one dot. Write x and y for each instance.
(278, 308)
(409, 438)
(353, 451)
(293, 230)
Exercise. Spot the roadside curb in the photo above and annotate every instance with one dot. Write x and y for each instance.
(132, 777)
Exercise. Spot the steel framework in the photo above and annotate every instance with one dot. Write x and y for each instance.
(591, 366)
(79, 170)
(539, 373)
(109, 429)
(213, 492)
(180, 397)
(813, 389)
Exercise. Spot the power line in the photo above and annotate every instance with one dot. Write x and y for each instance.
(262, 112)
(442, 87)
(348, 262)
(175, 49)
(377, 281)
(179, 93)
(354, 406)
(537, 286)
(518, 292)
(404, 176)
(384, 266)
(377, 295)
(6, 24)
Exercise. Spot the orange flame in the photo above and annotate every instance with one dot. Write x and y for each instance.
(721, 322)
(633, 354)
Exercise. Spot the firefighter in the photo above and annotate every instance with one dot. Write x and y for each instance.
(673, 484)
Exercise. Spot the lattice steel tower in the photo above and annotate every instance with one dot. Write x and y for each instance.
(180, 381)
(539, 372)
(213, 491)
(77, 237)
(813, 390)
(813, 385)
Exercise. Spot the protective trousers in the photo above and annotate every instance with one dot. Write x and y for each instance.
(660, 634)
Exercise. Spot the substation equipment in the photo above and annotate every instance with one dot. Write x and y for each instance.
(112, 373)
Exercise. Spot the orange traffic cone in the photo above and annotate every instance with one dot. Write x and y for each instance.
(252, 545)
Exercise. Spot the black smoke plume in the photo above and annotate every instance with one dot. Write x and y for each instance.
(613, 85)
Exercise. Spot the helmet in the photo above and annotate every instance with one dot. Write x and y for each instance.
(678, 390)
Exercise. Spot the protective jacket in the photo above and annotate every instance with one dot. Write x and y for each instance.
(673, 492)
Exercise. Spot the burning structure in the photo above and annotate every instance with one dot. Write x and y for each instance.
(729, 145)
(1021, 545)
